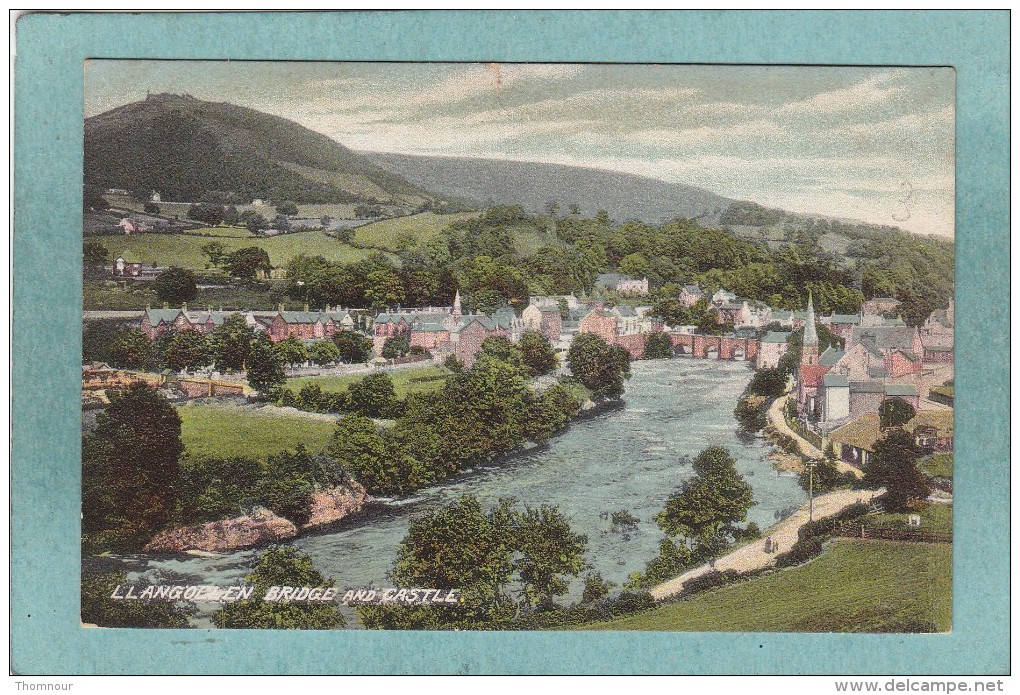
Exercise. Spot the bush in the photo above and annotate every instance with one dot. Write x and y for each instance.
(749, 533)
(802, 551)
(709, 580)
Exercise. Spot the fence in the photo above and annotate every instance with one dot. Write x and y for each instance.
(888, 534)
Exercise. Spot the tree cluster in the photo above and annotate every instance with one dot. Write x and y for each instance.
(601, 367)
(479, 415)
(506, 562)
(700, 519)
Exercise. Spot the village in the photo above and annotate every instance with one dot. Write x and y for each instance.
(835, 395)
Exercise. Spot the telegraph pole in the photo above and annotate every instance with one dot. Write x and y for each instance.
(811, 490)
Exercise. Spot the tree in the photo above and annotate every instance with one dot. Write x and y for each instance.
(373, 396)
(265, 371)
(595, 588)
(538, 354)
(176, 286)
(92, 199)
(188, 349)
(658, 346)
(97, 608)
(823, 477)
(482, 553)
(575, 209)
(353, 347)
(770, 383)
(282, 566)
(290, 350)
(285, 207)
(206, 212)
(893, 465)
(254, 221)
(95, 256)
(129, 348)
(323, 352)
(129, 466)
(895, 412)
(246, 263)
(216, 252)
(232, 342)
(373, 458)
(396, 346)
(383, 287)
(599, 366)
(708, 505)
(548, 553)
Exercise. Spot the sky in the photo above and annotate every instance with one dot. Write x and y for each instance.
(873, 144)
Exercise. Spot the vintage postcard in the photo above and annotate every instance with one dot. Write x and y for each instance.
(468, 346)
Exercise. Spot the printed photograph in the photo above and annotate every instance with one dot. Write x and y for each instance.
(517, 346)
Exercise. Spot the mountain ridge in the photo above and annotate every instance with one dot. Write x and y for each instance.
(187, 149)
(487, 181)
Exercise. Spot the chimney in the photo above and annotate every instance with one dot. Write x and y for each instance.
(304, 307)
(166, 305)
(184, 306)
(279, 307)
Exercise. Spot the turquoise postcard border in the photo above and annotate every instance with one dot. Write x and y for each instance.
(46, 637)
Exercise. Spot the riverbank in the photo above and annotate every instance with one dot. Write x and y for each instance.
(627, 455)
(782, 536)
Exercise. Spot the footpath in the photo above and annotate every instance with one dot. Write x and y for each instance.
(777, 419)
(782, 536)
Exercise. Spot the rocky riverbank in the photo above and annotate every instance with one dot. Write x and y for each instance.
(261, 527)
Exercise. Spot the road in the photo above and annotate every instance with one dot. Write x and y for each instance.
(806, 448)
(784, 535)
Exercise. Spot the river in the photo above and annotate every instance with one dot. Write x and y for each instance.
(629, 458)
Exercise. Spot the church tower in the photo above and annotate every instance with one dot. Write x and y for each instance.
(456, 313)
(809, 352)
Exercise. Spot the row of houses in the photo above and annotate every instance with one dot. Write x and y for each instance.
(840, 390)
(278, 325)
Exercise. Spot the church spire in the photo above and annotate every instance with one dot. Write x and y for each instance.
(456, 313)
(809, 350)
(810, 334)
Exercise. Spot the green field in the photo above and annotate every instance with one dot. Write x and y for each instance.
(185, 250)
(99, 295)
(405, 381)
(855, 586)
(229, 232)
(528, 240)
(423, 226)
(220, 431)
(936, 518)
(938, 465)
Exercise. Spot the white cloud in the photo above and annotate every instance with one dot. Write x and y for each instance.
(872, 91)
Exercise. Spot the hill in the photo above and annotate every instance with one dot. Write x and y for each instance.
(191, 150)
(485, 182)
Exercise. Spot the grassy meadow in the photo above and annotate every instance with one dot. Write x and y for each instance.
(855, 586)
(405, 381)
(935, 518)
(938, 465)
(185, 250)
(423, 226)
(220, 431)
